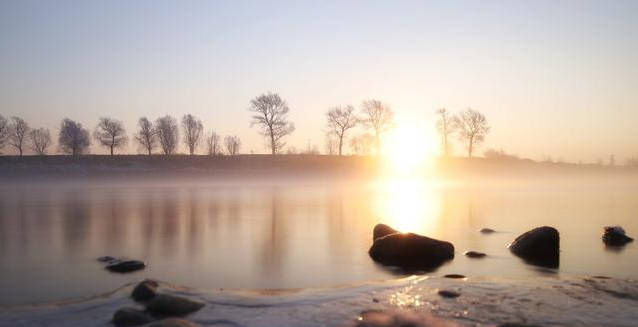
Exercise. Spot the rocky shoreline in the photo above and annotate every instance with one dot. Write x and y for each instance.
(554, 300)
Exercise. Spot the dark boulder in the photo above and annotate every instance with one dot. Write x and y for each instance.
(145, 290)
(411, 251)
(172, 322)
(125, 266)
(172, 305)
(487, 230)
(474, 254)
(615, 236)
(539, 246)
(381, 230)
(130, 317)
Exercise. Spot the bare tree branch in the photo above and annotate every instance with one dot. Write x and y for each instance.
(40, 140)
(167, 133)
(193, 128)
(340, 120)
(18, 133)
(379, 117)
(146, 135)
(472, 127)
(73, 139)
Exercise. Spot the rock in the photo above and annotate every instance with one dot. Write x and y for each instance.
(130, 317)
(106, 259)
(125, 266)
(172, 305)
(449, 294)
(145, 290)
(474, 254)
(172, 322)
(411, 251)
(615, 236)
(487, 230)
(456, 276)
(381, 230)
(539, 246)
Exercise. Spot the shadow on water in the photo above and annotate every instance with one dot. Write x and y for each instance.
(550, 261)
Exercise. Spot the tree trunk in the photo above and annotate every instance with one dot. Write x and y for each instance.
(111, 149)
(470, 147)
(340, 143)
(149, 151)
(378, 143)
(272, 142)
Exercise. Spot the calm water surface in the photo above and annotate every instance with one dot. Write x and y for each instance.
(289, 235)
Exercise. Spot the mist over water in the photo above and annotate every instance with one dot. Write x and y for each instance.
(291, 234)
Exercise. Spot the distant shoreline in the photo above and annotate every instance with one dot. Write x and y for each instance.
(298, 165)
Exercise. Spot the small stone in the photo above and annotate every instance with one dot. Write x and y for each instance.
(474, 254)
(411, 251)
(487, 230)
(449, 294)
(615, 236)
(375, 300)
(125, 266)
(172, 322)
(172, 305)
(145, 290)
(456, 276)
(106, 259)
(130, 317)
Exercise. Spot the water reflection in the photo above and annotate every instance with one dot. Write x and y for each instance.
(284, 236)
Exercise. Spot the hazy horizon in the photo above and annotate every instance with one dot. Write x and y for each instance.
(553, 79)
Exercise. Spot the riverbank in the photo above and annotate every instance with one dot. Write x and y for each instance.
(552, 300)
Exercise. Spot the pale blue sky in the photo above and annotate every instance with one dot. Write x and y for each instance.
(556, 78)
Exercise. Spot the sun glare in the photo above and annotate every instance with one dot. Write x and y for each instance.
(410, 147)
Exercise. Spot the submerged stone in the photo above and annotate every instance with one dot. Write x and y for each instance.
(474, 254)
(130, 317)
(172, 305)
(539, 246)
(145, 290)
(456, 276)
(615, 236)
(449, 294)
(487, 230)
(381, 230)
(172, 322)
(411, 251)
(125, 266)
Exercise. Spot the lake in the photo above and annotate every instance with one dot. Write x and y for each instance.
(290, 234)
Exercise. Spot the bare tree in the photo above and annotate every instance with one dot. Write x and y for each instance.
(379, 117)
(18, 134)
(146, 135)
(40, 140)
(340, 120)
(4, 132)
(233, 143)
(193, 128)
(472, 127)
(331, 144)
(445, 126)
(110, 133)
(271, 116)
(73, 139)
(362, 144)
(167, 133)
(213, 142)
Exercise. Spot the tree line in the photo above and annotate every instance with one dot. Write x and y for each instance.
(269, 116)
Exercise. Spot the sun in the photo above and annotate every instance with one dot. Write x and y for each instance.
(409, 147)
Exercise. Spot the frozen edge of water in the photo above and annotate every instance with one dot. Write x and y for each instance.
(548, 301)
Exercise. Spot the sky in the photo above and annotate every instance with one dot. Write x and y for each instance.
(554, 78)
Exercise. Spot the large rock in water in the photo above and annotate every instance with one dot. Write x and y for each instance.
(539, 246)
(381, 230)
(172, 305)
(615, 236)
(411, 251)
